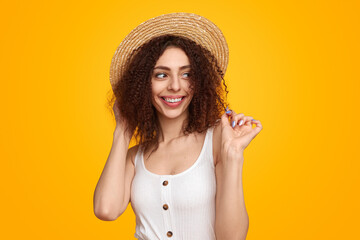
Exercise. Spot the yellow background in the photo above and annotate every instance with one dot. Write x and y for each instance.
(293, 65)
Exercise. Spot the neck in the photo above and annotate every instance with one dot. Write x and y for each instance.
(171, 128)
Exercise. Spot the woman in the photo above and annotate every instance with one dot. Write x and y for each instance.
(184, 177)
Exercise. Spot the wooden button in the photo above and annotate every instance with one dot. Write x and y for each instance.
(165, 183)
(165, 207)
(169, 234)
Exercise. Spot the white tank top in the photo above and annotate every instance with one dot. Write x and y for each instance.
(176, 207)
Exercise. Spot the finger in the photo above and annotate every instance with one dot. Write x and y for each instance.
(236, 119)
(242, 120)
(247, 121)
(224, 120)
(230, 112)
(258, 124)
(257, 129)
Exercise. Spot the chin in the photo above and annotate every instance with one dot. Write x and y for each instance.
(172, 114)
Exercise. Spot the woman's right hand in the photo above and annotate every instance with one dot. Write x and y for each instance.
(121, 124)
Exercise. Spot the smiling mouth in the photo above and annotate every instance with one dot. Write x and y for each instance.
(173, 100)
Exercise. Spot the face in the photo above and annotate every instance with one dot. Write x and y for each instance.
(171, 83)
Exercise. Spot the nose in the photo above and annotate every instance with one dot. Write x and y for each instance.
(174, 83)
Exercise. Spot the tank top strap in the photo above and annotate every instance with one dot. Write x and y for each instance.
(138, 156)
(209, 144)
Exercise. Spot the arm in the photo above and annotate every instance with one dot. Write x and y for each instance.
(112, 192)
(232, 221)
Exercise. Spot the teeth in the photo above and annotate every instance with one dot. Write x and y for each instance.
(173, 99)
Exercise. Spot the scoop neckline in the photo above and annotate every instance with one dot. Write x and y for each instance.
(183, 172)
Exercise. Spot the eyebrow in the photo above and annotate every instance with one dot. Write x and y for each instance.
(166, 68)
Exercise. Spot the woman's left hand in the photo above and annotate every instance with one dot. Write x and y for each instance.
(234, 137)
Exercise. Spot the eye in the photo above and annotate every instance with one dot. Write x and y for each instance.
(160, 74)
(188, 74)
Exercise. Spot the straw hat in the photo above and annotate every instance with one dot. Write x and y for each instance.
(189, 25)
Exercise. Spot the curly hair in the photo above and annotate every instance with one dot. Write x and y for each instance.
(133, 90)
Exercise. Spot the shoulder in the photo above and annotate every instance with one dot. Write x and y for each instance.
(216, 141)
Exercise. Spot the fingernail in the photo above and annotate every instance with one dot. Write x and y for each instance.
(253, 120)
(233, 124)
(241, 122)
(228, 112)
(227, 108)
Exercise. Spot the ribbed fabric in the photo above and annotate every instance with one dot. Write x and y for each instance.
(189, 195)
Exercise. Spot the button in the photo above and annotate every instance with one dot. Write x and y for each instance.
(165, 183)
(169, 234)
(165, 207)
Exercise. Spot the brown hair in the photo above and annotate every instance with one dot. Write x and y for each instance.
(133, 91)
